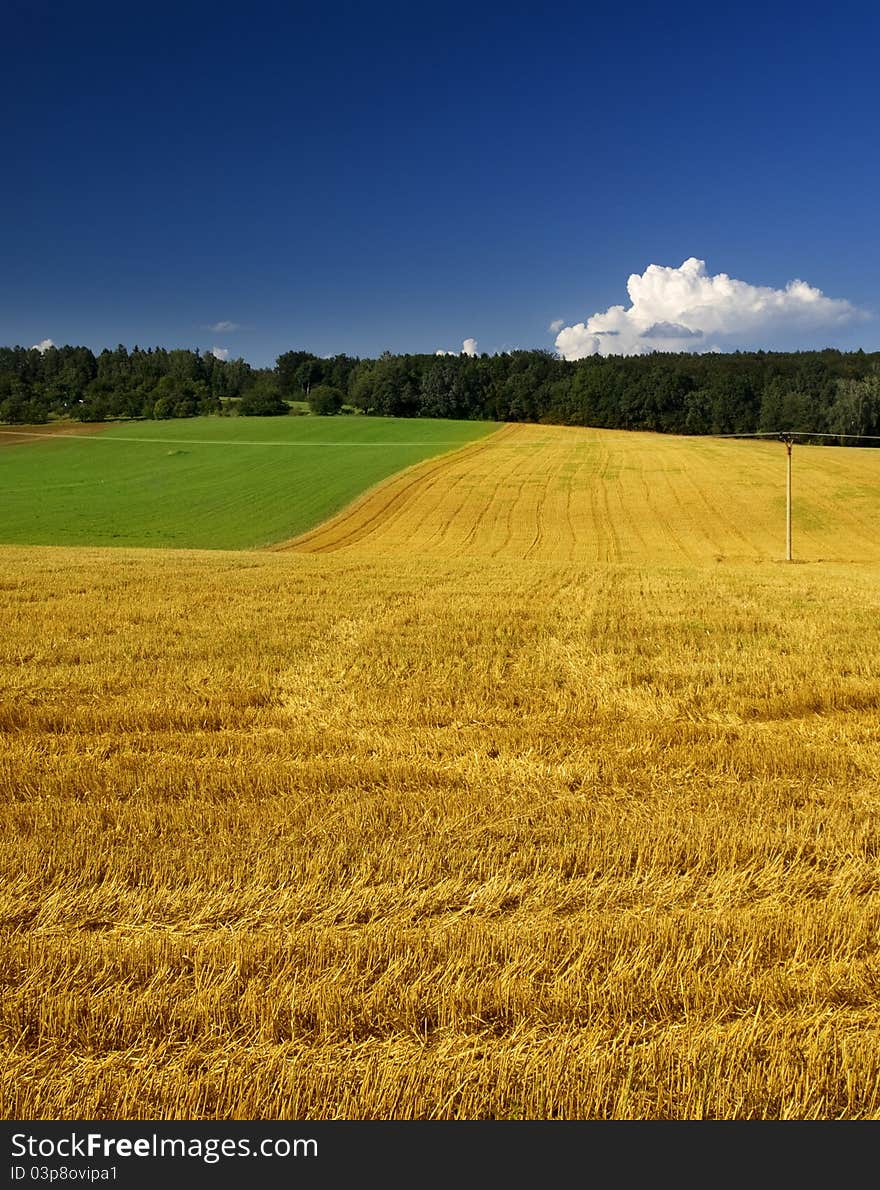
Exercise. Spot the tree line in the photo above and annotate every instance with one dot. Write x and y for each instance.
(37, 383)
(829, 391)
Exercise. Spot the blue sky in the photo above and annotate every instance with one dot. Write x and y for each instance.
(393, 176)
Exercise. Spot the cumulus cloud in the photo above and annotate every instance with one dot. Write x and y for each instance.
(43, 345)
(468, 347)
(670, 330)
(556, 325)
(224, 327)
(688, 309)
(220, 352)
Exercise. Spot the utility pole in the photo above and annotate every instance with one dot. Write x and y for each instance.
(788, 440)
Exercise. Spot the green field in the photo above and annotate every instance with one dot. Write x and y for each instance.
(206, 483)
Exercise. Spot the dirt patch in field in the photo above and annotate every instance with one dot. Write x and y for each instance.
(19, 435)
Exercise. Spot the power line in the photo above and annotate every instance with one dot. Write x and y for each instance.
(788, 437)
(781, 435)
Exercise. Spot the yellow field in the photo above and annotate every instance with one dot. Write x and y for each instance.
(554, 493)
(513, 802)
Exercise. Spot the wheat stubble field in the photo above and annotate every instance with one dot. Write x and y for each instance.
(533, 786)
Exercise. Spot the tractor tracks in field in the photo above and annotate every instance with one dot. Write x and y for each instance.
(380, 505)
(524, 491)
(607, 541)
(556, 494)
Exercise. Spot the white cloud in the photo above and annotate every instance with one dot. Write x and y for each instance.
(220, 352)
(556, 325)
(224, 328)
(679, 309)
(43, 345)
(468, 347)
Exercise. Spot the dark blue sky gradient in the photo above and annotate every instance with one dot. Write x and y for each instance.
(356, 178)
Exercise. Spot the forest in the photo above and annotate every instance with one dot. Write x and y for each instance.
(829, 391)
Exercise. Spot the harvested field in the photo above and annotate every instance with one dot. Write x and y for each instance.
(519, 833)
(568, 494)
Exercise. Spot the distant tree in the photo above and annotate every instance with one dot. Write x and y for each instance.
(262, 398)
(186, 365)
(787, 410)
(288, 370)
(309, 373)
(326, 400)
(19, 405)
(338, 371)
(164, 407)
(388, 386)
(856, 409)
(174, 396)
(698, 412)
(230, 378)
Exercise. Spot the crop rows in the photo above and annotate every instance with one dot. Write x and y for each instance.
(331, 836)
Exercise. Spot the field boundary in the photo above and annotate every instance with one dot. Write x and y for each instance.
(91, 436)
(29, 435)
(404, 480)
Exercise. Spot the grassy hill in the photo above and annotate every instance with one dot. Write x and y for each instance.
(222, 483)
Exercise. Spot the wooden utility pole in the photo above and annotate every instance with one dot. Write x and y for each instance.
(788, 444)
